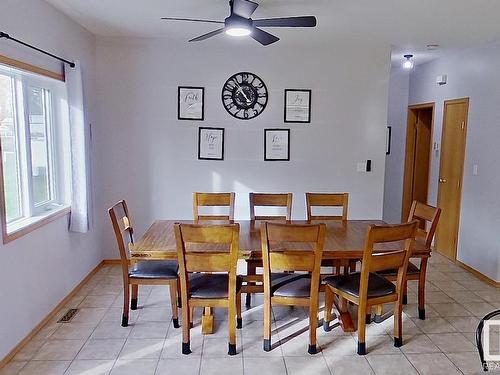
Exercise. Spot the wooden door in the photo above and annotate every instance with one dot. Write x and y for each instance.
(418, 156)
(451, 174)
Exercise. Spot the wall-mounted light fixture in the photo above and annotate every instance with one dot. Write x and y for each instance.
(407, 62)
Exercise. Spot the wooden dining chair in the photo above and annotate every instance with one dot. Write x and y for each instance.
(331, 201)
(327, 200)
(292, 247)
(428, 217)
(207, 257)
(144, 272)
(367, 288)
(281, 200)
(213, 200)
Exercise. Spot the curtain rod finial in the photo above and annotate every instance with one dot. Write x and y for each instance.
(72, 65)
(3, 35)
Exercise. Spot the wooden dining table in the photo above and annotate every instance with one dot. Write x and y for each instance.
(344, 240)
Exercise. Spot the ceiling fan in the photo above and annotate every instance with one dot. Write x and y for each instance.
(239, 23)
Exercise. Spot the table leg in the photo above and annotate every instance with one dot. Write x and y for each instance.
(343, 315)
(207, 321)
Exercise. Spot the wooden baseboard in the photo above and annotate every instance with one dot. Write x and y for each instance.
(111, 261)
(479, 275)
(49, 316)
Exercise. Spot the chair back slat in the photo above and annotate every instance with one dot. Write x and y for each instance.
(271, 200)
(327, 200)
(213, 200)
(208, 262)
(292, 260)
(384, 261)
(428, 216)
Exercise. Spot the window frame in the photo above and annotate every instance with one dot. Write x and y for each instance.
(28, 76)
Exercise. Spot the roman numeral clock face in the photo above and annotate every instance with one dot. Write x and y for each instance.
(244, 95)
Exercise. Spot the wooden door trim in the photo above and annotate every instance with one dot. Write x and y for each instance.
(409, 161)
(446, 103)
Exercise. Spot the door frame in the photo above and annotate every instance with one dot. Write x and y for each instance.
(465, 100)
(409, 158)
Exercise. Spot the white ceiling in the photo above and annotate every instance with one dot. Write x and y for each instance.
(409, 25)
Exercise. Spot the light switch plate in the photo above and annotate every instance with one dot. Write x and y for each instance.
(361, 166)
(474, 170)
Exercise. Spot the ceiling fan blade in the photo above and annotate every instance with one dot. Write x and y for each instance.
(263, 37)
(207, 35)
(304, 21)
(189, 19)
(244, 8)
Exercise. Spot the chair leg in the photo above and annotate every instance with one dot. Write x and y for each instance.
(232, 326)
(421, 289)
(251, 270)
(405, 293)
(313, 325)
(398, 323)
(328, 309)
(126, 298)
(362, 329)
(173, 303)
(179, 299)
(186, 327)
(267, 323)
(135, 292)
(239, 321)
(378, 314)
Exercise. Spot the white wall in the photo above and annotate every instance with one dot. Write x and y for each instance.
(471, 73)
(399, 84)
(144, 154)
(38, 270)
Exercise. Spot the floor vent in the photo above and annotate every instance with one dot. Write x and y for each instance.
(66, 318)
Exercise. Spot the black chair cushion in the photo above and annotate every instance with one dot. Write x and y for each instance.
(378, 286)
(299, 287)
(211, 285)
(412, 270)
(279, 279)
(154, 269)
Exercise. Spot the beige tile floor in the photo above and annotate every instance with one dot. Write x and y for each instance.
(95, 343)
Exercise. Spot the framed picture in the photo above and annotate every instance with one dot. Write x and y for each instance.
(211, 144)
(190, 103)
(297, 105)
(276, 144)
(388, 134)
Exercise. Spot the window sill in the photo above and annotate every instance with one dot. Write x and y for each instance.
(35, 222)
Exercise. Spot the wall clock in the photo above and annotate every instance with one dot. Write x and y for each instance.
(244, 95)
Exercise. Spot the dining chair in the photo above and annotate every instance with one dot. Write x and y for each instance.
(280, 200)
(428, 217)
(330, 201)
(144, 272)
(367, 288)
(207, 257)
(283, 200)
(213, 200)
(327, 200)
(292, 247)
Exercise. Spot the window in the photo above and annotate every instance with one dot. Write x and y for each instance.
(35, 147)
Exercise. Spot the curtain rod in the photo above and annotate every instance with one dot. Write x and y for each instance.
(7, 36)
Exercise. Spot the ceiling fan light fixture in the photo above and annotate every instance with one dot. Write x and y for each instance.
(238, 31)
(408, 63)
